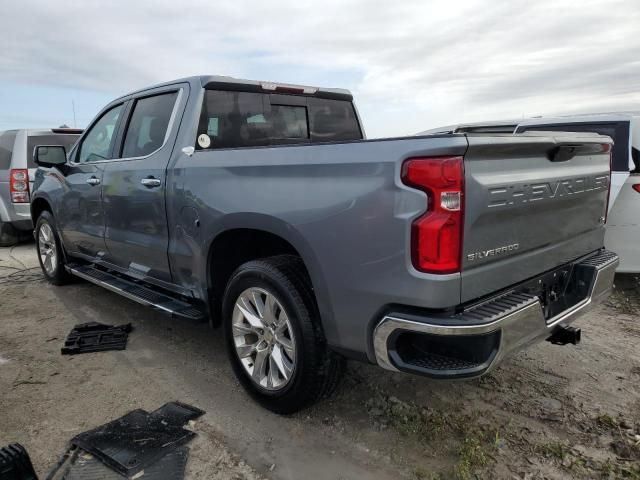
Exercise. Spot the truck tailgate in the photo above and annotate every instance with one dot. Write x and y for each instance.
(532, 203)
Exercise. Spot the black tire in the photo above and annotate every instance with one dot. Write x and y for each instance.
(317, 369)
(59, 276)
(8, 235)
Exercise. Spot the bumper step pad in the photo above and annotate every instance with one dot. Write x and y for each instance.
(143, 294)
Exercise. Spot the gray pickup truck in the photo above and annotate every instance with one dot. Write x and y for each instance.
(261, 207)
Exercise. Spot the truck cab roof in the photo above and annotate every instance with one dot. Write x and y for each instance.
(212, 81)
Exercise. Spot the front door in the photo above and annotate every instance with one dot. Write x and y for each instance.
(133, 191)
(81, 216)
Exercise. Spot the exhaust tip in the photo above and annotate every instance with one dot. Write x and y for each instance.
(564, 335)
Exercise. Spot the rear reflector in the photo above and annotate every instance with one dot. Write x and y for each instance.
(19, 185)
(436, 236)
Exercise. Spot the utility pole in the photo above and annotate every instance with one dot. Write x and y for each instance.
(73, 107)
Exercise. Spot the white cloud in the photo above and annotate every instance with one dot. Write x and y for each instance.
(412, 65)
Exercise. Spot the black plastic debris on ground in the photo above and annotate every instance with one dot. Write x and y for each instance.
(96, 337)
(84, 466)
(15, 463)
(137, 440)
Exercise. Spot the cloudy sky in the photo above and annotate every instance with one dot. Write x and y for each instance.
(411, 64)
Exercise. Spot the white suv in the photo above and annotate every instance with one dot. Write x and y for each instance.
(623, 221)
(17, 171)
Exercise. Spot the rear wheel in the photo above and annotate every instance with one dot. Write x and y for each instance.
(49, 249)
(275, 343)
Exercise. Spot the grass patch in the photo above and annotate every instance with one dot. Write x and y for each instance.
(472, 455)
(420, 473)
(610, 469)
(555, 450)
(459, 433)
(606, 421)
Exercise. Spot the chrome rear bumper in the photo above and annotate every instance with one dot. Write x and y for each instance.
(513, 321)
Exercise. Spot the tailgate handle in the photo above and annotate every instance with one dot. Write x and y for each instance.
(562, 153)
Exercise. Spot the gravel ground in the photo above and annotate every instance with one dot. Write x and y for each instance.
(550, 412)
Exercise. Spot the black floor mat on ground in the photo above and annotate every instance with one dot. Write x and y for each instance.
(84, 466)
(132, 443)
(96, 337)
(15, 463)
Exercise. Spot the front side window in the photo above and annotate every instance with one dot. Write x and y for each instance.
(97, 144)
(148, 125)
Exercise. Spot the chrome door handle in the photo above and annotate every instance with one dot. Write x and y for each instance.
(151, 182)
(93, 181)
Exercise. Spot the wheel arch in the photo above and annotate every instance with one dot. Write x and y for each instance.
(246, 238)
(39, 205)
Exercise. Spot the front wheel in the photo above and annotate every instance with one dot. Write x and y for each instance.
(49, 249)
(274, 340)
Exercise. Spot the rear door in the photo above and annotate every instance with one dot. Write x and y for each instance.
(134, 186)
(533, 203)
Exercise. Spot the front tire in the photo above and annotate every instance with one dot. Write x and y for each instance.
(49, 250)
(273, 335)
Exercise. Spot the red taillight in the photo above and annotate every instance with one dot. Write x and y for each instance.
(436, 236)
(19, 185)
(636, 187)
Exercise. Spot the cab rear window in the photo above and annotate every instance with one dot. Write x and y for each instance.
(231, 119)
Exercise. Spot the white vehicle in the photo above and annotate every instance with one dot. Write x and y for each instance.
(17, 171)
(623, 222)
(497, 126)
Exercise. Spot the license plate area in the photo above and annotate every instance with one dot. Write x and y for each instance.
(560, 289)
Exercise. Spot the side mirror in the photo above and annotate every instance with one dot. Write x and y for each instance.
(49, 155)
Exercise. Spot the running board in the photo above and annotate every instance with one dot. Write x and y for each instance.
(138, 293)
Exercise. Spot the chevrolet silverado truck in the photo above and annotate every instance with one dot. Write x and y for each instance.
(262, 208)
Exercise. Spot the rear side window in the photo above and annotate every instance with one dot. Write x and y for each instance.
(63, 140)
(148, 125)
(618, 131)
(232, 119)
(7, 139)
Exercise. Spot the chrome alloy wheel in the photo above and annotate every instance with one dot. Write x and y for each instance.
(263, 338)
(47, 249)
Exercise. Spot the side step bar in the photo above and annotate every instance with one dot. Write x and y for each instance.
(138, 293)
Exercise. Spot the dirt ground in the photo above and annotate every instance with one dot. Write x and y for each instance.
(548, 413)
